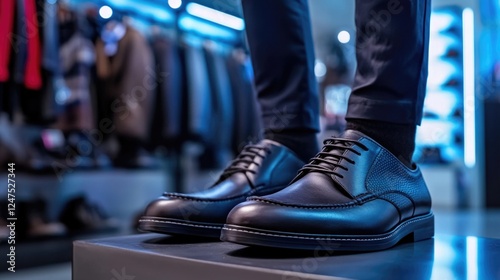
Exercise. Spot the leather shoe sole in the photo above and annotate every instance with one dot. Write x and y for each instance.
(416, 229)
(182, 227)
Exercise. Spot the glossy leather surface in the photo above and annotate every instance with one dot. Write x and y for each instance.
(373, 196)
(272, 172)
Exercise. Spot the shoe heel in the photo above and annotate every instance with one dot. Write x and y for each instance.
(425, 230)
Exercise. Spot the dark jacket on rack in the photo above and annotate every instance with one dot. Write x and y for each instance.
(169, 89)
(222, 97)
(131, 82)
(200, 103)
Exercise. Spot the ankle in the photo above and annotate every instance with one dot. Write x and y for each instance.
(399, 139)
(302, 142)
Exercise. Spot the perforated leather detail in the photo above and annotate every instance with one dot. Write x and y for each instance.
(397, 179)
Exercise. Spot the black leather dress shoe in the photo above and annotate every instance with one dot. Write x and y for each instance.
(354, 195)
(260, 169)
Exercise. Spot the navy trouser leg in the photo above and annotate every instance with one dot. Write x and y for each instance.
(279, 35)
(391, 50)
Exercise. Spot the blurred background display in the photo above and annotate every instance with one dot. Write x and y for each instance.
(106, 104)
(440, 138)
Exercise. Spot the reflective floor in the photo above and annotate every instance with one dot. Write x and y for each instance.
(465, 258)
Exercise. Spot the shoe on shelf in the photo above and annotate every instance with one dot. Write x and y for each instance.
(260, 169)
(80, 216)
(353, 196)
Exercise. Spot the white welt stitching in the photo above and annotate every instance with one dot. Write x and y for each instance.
(179, 223)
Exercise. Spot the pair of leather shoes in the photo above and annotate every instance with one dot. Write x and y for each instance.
(260, 169)
(353, 195)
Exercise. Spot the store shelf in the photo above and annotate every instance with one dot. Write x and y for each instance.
(121, 194)
(48, 250)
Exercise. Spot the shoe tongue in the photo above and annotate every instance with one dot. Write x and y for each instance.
(241, 160)
(268, 143)
(264, 144)
(352, 135)
(261, 146)
(348, 134)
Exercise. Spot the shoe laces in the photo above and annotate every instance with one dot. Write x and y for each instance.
(331, 155)
(242, 162)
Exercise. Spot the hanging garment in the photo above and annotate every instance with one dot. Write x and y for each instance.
(185, 119)
(77, 56)
(33, 75)
(19, 44)
(50, 26)
(7, 10)
(167, 121)
(130, 77)
(222, 98)
(200, 101)
(12, 56)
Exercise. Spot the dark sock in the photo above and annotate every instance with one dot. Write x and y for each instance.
(302, 142)
(399, 139)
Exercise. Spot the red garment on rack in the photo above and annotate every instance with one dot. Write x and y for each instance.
(33, 75)
(7, 10)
